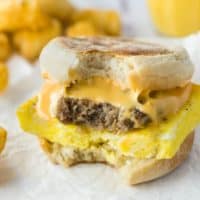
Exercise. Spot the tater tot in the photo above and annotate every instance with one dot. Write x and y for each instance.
(30, 43)
(3, 77)
(106, 21)
(60, 9)
(82, 28)
(20, 14)
(5, 47)
(3, 135)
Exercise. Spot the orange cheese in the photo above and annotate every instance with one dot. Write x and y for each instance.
(44, 99)
(101, 89)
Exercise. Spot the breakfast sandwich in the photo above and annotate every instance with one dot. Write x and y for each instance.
(127, 103)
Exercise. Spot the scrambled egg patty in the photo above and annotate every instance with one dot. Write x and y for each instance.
(160, 142)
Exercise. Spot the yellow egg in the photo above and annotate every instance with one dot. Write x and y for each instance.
(161, 142)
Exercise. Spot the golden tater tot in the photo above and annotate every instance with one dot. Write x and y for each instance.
(3, 77)
(105, 21)
(5, 47)
(60, 9)
(82, 28)
(30, 43)
(20, 14)
(3, 135)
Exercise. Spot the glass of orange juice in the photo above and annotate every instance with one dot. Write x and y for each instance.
(175, 17)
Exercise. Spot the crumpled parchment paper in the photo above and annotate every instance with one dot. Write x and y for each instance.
(27, 174)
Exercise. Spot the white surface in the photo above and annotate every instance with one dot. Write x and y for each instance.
(26, 173)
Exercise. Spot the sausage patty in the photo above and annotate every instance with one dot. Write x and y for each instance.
(100, 116)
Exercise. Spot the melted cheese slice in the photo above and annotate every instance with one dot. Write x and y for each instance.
(101, 89)
(44, 104)
(160, 142)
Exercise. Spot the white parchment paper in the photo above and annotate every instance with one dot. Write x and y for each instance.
(27, 174)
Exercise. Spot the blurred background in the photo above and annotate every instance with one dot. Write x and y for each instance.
(135, 16)
(150, 17)
(26, 26)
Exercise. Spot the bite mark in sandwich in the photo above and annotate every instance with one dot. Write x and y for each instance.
(128, 103)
